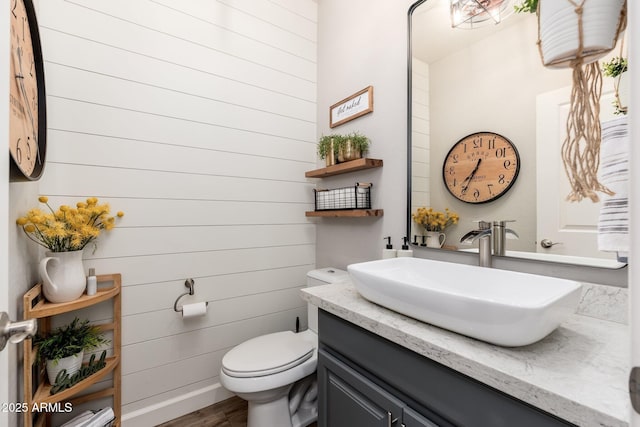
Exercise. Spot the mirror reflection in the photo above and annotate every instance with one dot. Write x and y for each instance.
(491, 80)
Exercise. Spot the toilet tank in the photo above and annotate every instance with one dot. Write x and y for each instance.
(321, 276)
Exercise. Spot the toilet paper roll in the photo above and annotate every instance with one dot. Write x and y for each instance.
(194, 310)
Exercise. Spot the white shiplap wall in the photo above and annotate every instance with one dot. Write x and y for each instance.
(420, 133)
(197, 119)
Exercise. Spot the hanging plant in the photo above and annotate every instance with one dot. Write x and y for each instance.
(614, 69)
(527, 6)
(597, 24)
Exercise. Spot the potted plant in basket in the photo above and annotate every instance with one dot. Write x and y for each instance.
(64, 347)
(352, 146)
(65, 232)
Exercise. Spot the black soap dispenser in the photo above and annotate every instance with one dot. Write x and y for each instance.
(388, 251)
(405, 251)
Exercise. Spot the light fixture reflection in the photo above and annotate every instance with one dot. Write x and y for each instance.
(476, 13)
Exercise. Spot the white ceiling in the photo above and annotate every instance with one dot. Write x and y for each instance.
(432, 35)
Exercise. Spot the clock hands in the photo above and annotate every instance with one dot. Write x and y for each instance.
(467, 180)
(23, 91)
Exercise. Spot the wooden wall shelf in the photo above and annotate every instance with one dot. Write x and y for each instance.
(36, 307)
(351, 213)
(340, 168)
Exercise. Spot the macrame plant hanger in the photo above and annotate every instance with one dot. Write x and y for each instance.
(581, 147)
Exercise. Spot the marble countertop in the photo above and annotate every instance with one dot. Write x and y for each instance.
(579, 372)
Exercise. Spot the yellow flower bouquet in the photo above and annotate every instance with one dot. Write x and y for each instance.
(67, 229)
(434, 220)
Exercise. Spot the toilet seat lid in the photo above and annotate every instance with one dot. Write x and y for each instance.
(267, 355)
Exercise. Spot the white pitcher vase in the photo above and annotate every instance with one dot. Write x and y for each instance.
(62, 275)
(435, 239)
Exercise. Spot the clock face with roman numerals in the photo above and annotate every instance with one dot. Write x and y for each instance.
(481, 167)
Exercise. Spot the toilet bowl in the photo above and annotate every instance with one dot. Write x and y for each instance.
(275, 373)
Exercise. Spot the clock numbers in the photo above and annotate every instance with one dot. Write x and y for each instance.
(18, 152)
(481, 167)
(26, 109)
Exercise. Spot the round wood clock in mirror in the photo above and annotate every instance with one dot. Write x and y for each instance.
(481, 167)
(27, 109)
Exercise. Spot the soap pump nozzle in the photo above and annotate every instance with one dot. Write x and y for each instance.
(405, 245)
(388, 252)
(405, 251)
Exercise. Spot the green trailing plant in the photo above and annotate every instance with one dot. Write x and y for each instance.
(615, 67)
(68, 340)
(527, 6)
(358, 142)
(353, 142)
(324, 145)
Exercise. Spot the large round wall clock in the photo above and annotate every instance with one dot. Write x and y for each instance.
(27, 108)
(481, 167)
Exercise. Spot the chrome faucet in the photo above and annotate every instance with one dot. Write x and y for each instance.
(483, 234)
(500, 232)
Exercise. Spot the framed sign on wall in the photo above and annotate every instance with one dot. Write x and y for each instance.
(352, 107)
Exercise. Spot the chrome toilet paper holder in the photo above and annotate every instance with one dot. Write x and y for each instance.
(189, 283)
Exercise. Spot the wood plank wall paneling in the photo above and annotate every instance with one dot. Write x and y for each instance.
(197, 119)
(420, 158)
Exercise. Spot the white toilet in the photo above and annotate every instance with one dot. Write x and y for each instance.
(275, 373)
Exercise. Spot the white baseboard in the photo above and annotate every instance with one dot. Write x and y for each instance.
(170, 409)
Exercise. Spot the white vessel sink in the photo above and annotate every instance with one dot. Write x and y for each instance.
(501, 307)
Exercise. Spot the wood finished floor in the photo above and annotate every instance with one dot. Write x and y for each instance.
(228, 413)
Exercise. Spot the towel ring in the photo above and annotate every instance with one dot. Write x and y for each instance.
(189, 283)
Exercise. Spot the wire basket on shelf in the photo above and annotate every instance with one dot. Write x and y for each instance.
(356, 197)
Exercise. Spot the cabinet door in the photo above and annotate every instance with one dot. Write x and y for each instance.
(351, 400)
(411, 418)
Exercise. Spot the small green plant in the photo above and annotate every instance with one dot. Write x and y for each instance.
(615, 67)
(324, 145)
(527, 6)
(69, 340)
(359, 142)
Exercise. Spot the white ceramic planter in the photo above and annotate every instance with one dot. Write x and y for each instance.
(559, 34)
(72, 364)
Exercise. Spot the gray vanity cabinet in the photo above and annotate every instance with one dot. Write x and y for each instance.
(352, 400)
(367, 381)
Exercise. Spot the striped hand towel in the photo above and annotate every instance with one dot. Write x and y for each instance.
(613, 221)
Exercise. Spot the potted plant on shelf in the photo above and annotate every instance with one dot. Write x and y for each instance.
(64, 347)
(328, 148)
(352, 147)
(65, 232)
